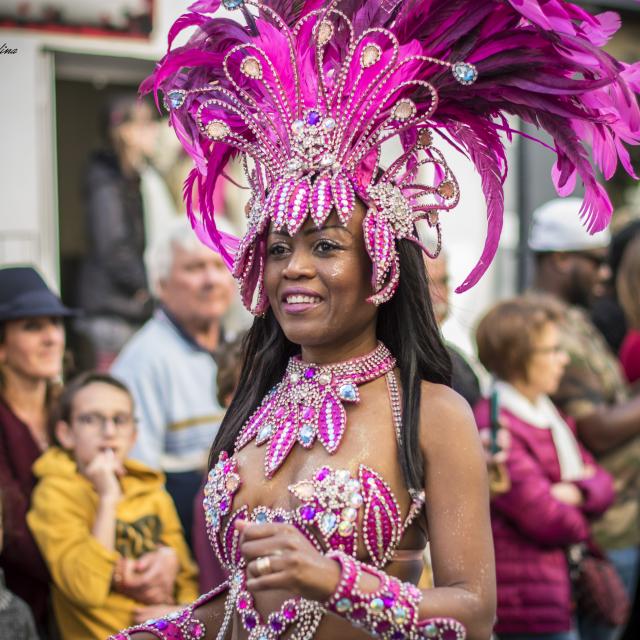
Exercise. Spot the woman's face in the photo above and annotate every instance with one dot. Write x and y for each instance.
(33, 347)
(547, 361)
(318, 281)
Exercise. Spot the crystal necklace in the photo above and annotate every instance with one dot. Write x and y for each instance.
(309, 403)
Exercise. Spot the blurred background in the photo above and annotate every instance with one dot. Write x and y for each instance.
(70, 56)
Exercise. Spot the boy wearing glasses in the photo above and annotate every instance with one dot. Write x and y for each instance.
(94, 512)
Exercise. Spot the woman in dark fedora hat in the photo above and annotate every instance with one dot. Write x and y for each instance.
(31, 350)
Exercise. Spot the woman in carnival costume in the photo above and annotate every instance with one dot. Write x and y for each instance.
(344, 447)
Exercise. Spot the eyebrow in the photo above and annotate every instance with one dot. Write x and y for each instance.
(312, 230)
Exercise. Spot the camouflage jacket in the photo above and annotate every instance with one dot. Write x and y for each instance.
(592, 378)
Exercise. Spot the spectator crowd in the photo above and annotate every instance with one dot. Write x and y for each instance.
(101, 472)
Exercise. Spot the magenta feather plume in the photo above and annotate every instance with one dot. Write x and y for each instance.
(539, 60)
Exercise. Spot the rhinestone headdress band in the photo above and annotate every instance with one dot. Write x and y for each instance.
(309, 94)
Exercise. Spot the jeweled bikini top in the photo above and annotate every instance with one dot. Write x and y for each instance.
(308, 405)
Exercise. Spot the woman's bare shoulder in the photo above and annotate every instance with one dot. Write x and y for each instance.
(445, 416)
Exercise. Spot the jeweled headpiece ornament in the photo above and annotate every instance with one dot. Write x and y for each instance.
(309, 91)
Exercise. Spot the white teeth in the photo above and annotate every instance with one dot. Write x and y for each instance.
(300, 299)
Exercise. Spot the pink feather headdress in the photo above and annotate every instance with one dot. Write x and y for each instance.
(308, 91)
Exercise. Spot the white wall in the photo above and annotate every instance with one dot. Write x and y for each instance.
(28, 215)
(464, 232)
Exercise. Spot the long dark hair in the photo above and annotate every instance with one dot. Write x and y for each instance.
(406, 324)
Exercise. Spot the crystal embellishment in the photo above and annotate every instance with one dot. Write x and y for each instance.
(348, 393)
(393, 207)
(404, 109)
(232, 4)
(464, 72)
(325, 32)
(370, 55)
(447, 189)
(217, 129)
(328, 124)
(264, 433)
(175, 98)
(251, 67)
(307, 435)
(425, 138)
(328, 523)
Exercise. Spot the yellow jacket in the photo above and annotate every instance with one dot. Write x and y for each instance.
(63, 508)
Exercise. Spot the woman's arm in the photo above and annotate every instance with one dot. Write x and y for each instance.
(20, 554)
(597, 489)
(531, 506)
(205, 615)
(457, 506)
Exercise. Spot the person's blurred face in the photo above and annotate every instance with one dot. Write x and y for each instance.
(318, 281)
(33, 347)
(138, 135)
(199, 288)
(101, 419)
(587, 274)
(438, 286)
(547, 362)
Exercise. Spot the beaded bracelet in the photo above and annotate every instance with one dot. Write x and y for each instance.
(180, 625)
(391, 610)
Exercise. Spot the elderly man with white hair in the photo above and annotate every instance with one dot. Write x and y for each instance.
(169, 366)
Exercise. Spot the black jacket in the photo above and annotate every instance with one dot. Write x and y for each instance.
(113, 270)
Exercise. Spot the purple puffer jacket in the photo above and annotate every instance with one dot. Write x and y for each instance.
(532, 530)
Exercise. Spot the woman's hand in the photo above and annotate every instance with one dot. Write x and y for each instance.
(568, 493)
(151, 578)
(288, 562)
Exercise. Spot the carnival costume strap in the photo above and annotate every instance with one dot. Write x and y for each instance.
(308, 92)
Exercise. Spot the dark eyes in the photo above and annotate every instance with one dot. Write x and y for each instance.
(38, 324)
(324, 246)
(277, 249)
(320, 247)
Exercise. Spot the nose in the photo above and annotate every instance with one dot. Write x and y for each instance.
(109, 429)
(53, 333)
(299, 265)
(604, 273)
(211, 275)
(563, 356)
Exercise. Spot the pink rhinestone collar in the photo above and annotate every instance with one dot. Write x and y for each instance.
(309, 403)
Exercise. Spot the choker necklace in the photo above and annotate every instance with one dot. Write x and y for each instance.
(308, 404)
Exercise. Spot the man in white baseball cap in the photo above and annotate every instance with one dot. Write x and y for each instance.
(571, 263)
(571, 266)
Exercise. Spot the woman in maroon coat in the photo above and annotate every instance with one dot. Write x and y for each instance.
(555, 484)
(31, 351)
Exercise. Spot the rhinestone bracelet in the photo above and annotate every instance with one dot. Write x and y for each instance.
(180, 625)
(390, 612)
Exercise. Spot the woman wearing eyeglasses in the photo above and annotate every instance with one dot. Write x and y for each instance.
(31, 351)
(555, 484)
(95, 513)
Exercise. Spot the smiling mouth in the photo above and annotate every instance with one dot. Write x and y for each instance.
(302, 299)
